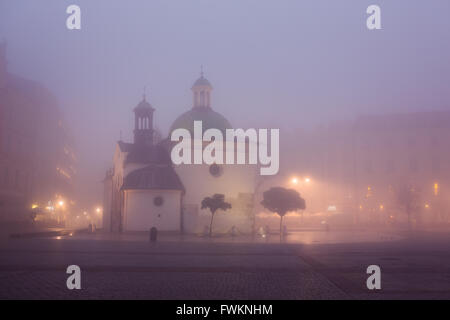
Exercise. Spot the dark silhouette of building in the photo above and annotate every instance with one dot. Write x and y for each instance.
(37, 157)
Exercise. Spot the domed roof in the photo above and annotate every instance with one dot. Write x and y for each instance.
(143, 105)
(202, 81)
(210, 120)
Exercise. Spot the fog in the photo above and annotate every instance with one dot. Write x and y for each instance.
(294, 65)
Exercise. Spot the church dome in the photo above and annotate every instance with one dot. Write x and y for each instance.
(201, 110)
(202, 81)
(210, 120)
(143, 105)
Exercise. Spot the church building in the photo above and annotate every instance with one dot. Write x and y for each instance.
(145, 189)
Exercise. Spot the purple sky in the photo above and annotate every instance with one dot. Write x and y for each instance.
(282, 63)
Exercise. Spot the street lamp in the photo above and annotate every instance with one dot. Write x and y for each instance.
(294, 180)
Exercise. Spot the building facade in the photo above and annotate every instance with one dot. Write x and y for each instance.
(37, 153)
(144, 189)
(359, 167)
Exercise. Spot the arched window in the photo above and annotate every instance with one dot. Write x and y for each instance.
(202, 98)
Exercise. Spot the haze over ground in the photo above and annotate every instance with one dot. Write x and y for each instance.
(288, 64)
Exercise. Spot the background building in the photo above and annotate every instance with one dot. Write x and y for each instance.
(357, 168)
(37, 154)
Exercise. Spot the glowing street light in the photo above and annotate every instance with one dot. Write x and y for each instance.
(307, 180)
(436, 189)
(294, 180)
(61, 203)
(98, 210)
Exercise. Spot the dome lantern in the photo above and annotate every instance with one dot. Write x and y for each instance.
(143, 123)
(201, 92)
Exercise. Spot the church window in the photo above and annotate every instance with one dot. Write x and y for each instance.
(158, 201)
(202, 98)
(215, 170)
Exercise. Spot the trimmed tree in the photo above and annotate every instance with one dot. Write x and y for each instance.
(281, 201)
(214, 203)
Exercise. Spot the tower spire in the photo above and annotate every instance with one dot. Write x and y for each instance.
(201, 70)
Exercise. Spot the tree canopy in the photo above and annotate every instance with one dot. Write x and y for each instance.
(215, 203)
(282, 200)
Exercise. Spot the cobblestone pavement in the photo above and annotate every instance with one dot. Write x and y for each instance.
(35, 269)
(417, 267)
(412, 268)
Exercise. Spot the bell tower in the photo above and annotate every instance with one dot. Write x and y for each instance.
(202, 92)
(143, 123)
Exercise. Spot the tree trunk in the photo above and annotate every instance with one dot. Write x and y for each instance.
(210, 225)
(281, 228)
(408, 212)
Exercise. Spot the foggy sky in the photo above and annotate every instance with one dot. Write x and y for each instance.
(293, 64)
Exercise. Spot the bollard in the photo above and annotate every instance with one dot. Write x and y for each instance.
(153, 234)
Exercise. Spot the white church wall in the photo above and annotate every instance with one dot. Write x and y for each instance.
(141, 213)
(199, 183)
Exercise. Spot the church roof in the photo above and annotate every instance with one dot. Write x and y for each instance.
(156, 154)
(153, 177)
(143, 105)
(148, 154)
(210, 120)
(125, 146)
(202, 81)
